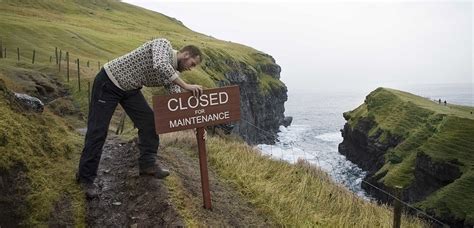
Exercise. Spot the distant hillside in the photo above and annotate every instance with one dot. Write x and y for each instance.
(423, 146)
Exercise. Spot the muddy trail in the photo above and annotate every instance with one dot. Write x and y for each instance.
(129, 200)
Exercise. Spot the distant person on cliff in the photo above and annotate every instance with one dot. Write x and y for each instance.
(153, 64)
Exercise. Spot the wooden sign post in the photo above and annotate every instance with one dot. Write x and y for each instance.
(182, 111)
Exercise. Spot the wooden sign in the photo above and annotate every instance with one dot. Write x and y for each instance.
(184, 111)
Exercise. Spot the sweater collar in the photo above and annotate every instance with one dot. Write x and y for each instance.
(175, 59)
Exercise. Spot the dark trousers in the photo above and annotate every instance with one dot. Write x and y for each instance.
(105, 98)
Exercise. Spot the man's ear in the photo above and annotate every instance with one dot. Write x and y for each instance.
(186, 55)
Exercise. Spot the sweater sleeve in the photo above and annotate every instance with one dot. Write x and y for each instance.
(161, 51)
(173, 88)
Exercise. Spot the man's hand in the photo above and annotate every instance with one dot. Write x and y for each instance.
(196, 89)
(205, 133)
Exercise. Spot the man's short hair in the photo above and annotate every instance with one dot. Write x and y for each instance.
(192, 50)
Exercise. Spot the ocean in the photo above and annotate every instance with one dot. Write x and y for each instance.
(314, 134)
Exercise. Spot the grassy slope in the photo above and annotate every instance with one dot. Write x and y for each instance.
(47, 147)
(291, 195)
(443, 132)
(97, 32)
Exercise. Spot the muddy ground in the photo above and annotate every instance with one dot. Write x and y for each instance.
(128, 200)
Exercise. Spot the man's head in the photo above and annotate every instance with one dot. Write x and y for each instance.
(188, 57)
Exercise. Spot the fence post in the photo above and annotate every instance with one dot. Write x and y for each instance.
(88, 93)
(98, 65)
(56, 53)
(1, 49)
(18, 53)
(33, 59)
(397, 207)
(5, 53)
(78, 76)
(67, 66)
(121, 124)
(60, 56)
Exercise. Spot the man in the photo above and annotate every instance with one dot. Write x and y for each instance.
(154, 63)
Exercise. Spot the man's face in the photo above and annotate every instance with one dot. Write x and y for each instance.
(187, 62)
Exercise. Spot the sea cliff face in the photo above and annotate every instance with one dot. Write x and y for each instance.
(424, 147)
(262, 108)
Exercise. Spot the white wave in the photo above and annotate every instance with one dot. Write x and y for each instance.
(330, 137)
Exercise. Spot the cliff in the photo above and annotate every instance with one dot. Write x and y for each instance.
(425, 147)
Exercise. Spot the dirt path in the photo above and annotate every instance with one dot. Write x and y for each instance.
(126, 198)
(130, 200)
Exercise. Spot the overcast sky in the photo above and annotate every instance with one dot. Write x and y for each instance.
(351, 45)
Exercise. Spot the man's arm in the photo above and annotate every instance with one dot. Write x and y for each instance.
(196, 89)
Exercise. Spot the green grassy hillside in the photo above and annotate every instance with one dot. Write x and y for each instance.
(444, 133)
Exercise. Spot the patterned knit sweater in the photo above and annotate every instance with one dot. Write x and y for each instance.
(152, 64)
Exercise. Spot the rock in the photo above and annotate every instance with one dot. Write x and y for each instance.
(29, 103)
(262, 113)
(117, 203)
(287, 121)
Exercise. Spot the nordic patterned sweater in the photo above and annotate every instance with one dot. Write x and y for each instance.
(152, 64)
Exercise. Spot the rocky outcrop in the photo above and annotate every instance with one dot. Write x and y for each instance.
(364, 150)
(29, 103)
(262, 113)
(430, 176)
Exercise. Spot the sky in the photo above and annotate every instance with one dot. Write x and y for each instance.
(334, 45)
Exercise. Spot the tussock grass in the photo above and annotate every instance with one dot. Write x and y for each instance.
(298, 195)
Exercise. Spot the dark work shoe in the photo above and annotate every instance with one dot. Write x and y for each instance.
(155, 171)
(90, 189)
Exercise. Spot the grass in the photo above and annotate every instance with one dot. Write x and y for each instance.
(291, 195)
(445, 133)
(47, 147)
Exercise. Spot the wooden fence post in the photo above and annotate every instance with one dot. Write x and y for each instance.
(121, 124)
(33, 59)
(18, 53)
(397, 207)
(78, 76)
(60, 56)
(67, 66)
(56, 53)
(98, 65)
(1, 49)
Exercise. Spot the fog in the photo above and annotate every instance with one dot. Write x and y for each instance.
(325, 46)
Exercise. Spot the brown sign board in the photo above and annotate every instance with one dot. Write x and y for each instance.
(182, 111)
